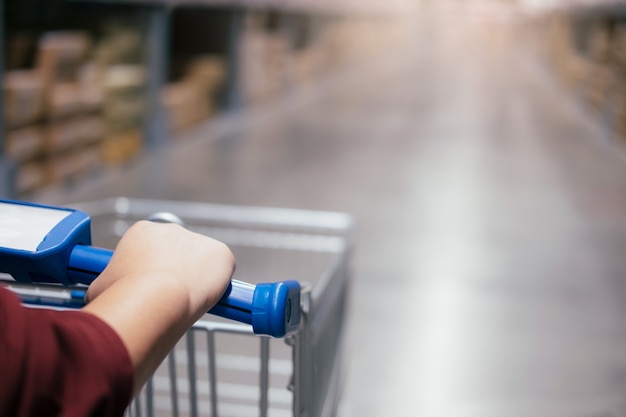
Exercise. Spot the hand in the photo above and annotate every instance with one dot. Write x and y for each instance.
(168, 251)
(160, 280)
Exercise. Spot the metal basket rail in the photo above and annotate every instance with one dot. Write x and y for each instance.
(187, 381)
(221, 368)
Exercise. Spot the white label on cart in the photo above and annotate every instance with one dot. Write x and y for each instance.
(25, 227)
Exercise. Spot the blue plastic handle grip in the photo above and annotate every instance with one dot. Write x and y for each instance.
(272, 309)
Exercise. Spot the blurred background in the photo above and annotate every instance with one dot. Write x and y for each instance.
(479, 145)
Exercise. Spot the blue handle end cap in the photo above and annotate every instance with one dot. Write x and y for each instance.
(276, 308)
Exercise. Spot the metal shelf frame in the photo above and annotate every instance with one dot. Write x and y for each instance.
(7, 167)
(155, 123)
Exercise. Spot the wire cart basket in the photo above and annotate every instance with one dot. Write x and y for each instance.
(220, 368)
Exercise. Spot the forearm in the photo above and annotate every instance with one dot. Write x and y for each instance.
(150, 314)
(160, 280)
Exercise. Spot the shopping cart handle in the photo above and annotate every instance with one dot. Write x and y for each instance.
(45, 244)
(272, 309)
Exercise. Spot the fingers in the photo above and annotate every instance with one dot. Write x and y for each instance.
(201, 264)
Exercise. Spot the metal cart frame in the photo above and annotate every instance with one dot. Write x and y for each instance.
(315, 350)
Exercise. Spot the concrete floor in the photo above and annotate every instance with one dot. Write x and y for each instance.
(489, 271)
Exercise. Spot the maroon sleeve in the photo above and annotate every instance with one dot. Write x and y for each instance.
(60, 363)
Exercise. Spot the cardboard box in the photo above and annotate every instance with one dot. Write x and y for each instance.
(60, 56)
(91, 78)
(24, 143)
(63, 100)
(121, 147)
(90, 129)
(120, 43)
(262, 68)
(62, 135)
(618, 48)
(91, 97)
(75, 164)
(597, 87)
(185, 105)
(207, 72)
(124, 98)
(599, 42)
(83, 95)
(23, 97)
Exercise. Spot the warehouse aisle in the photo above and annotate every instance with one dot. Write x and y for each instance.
(489, 267)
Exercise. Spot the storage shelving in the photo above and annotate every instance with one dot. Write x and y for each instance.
(281, 19)
(584, 45)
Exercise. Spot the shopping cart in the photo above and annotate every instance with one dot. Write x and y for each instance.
(220, 368)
